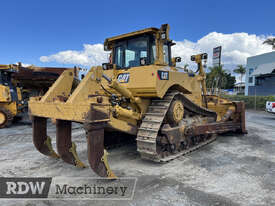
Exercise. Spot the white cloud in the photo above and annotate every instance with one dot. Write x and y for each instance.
(92, 54)
(236, 47)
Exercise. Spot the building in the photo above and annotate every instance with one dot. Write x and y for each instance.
(260, 75)
(239, 88)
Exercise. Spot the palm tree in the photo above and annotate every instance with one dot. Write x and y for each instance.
(240, 70)
(270, 41)
(216, 78)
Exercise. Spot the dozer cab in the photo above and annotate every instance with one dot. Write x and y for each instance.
(141, 92)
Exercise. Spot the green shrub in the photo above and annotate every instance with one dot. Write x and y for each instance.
(250, 100)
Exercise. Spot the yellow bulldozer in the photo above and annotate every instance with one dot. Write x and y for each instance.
(141, 92)
(18, 83)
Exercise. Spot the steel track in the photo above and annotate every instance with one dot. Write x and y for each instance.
(151, 125)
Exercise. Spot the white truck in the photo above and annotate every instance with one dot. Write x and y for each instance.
(270, 107)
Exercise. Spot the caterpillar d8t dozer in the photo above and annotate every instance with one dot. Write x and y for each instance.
(140, 92)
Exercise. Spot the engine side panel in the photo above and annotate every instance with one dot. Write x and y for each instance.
(155, 81)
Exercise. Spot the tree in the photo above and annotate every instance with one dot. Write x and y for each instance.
(230, 81)
(270, 41)
(216, 78)
(240, 70)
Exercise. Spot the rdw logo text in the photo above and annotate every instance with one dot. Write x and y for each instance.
(25, 187)
(22, 188)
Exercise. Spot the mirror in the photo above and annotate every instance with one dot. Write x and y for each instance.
(177, 59)
(107, 66)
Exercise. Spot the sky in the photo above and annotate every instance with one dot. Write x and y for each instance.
(67, 33)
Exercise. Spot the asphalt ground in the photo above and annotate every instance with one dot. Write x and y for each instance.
(233, 170)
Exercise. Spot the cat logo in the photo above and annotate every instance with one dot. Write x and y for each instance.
(163, 75)
(123, 78)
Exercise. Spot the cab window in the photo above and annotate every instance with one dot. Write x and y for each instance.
(132, 53)
(166, 54)
(119, 56)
